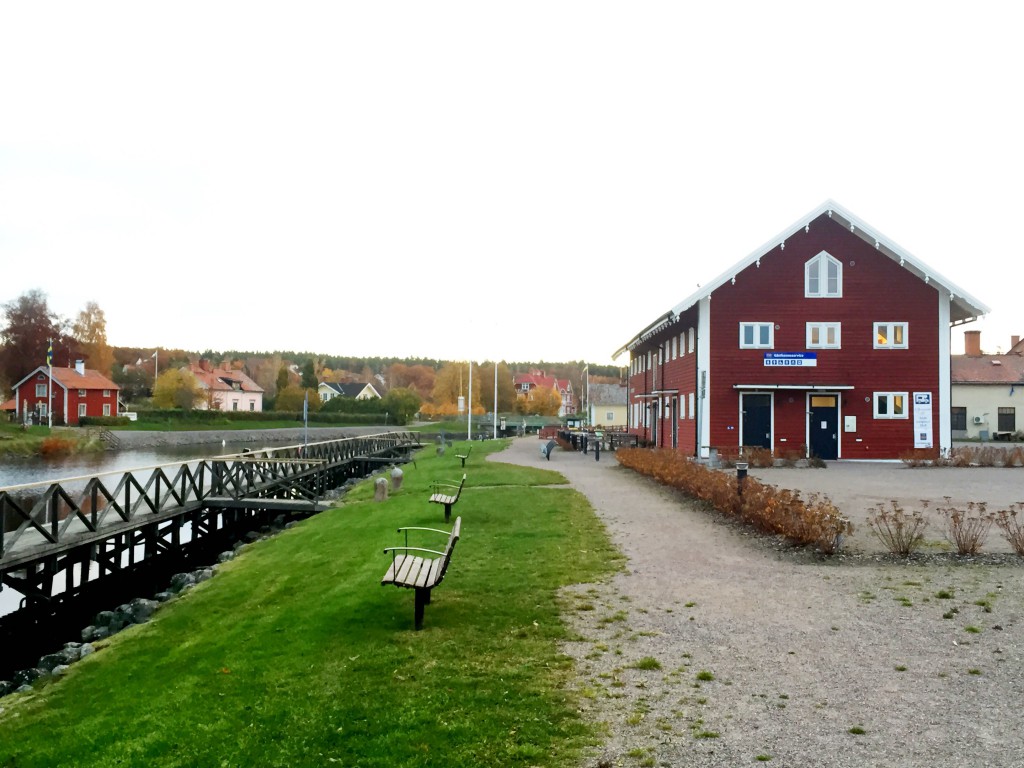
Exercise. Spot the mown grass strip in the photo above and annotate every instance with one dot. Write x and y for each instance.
(294, 655)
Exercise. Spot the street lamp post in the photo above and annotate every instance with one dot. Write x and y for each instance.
(469, 409)
(495, 399)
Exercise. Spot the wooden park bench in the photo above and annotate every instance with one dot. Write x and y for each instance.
(464, 456)
(443, 493)
(413, 570)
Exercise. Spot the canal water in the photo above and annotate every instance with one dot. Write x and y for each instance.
(15, 471)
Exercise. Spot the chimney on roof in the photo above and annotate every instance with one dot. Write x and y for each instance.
(1014, 341)
(972, 343)
(204, 365)
(80, 367)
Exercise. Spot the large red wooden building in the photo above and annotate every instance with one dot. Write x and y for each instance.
(829, 340)
(76, 392)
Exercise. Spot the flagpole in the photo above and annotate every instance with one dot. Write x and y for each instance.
(49, 394)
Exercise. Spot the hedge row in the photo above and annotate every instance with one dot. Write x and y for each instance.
(815, 521)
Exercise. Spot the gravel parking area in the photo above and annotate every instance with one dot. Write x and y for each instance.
(718, 647)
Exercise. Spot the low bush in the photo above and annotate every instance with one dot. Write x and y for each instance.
(815, 522)
(1012, 526)
(967, 529)
(901, 533)
(57, 446)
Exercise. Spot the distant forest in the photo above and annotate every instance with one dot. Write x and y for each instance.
(135, 370)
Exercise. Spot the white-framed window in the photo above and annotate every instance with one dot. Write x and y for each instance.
(757, 335)
(693, 336)
(823, 336)
(891, 405)
(682, 407)
(81, 410)
(81, 393)
(675, 347)
(891, 335)
(691, 404)
(106, 393)
(106, 409)
(40, 390)
(252, 405)
(823, 277)
(682, 343)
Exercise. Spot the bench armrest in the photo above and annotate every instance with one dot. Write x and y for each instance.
(412, 549)
(434, 530)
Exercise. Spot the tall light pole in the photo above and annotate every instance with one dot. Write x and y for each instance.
(585, 395)
(469, 409)
(495, 399)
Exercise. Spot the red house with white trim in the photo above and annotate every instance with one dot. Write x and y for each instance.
(830, 340)
(76, 392)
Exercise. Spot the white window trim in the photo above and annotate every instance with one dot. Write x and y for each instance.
(692, 336)
(823, 259)
(823, 329)
(757, 326)
(879, 396)
(106, 409)
(889, 334)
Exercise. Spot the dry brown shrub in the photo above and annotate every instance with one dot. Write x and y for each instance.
(759, 457)
(763, 507)
(967, 529)
(899, 532)
(56, 446)
(1012, 526)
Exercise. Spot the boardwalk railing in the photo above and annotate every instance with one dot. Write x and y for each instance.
(34, 521)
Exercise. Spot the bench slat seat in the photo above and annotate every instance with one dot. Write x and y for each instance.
(448, 499)
(415, 571)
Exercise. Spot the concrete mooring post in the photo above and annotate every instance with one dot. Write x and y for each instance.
(380, 489)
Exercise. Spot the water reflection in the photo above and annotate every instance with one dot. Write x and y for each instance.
(22, 471)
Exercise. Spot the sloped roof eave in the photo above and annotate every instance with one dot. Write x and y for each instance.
(965, 307)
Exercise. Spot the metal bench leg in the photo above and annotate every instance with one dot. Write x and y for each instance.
(447, 512)
(422, 598)
(421, 601)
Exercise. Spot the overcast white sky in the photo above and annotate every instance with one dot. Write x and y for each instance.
(521, 181)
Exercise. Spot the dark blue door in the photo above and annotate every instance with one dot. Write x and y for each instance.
(824, 426)
(757, 421)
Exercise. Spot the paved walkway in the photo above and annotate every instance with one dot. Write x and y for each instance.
(717, 648)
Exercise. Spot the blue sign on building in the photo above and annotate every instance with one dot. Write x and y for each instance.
(791, 359)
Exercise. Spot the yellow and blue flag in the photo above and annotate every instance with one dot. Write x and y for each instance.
(49, 354)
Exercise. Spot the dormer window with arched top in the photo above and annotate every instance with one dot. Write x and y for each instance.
(823, 277)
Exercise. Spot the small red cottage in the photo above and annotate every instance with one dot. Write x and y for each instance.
(829, 340)
(76, 392)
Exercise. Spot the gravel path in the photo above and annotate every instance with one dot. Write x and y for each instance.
(721, 648)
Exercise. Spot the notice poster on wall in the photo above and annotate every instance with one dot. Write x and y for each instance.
(922, 419)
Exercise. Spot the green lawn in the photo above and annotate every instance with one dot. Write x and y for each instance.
(295, 655)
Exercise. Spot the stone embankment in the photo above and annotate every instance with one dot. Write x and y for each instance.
(132, 440)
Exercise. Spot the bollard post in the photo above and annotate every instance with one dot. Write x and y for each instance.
(597, 451)
(396, 479)
(741, 476)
